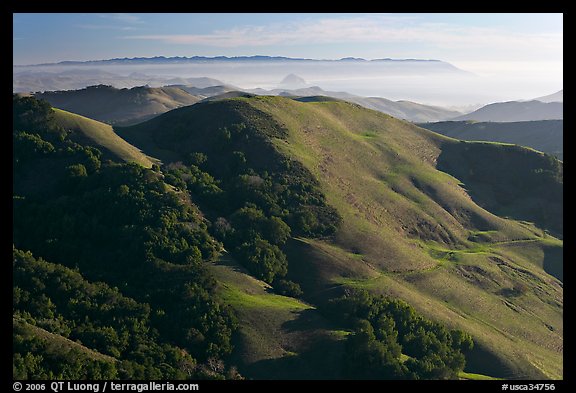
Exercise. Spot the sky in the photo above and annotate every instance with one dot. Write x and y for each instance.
(507, 45)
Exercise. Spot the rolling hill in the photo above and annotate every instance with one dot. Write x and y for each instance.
(407, 110)
(543, 135)
(424, 219)
(513, 111)
(119, 106)
(102, 136)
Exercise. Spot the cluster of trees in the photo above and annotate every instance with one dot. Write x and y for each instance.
(390, 340)
(254, 214)
(256, 201)
(60, 301)
(34, 358)
(120, 224)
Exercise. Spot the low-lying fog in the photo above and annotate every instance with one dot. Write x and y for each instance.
(434, 83)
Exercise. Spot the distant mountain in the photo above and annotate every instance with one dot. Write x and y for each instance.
(120, 106)
(555, 97)
(256, 58)
(543, 135)
(516, 111)
(292, 81)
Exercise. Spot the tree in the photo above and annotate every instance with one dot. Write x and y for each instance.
(263, 259)
(276, 231)
(369, 358)
(196, 158)
(76, 171)
(287, 288)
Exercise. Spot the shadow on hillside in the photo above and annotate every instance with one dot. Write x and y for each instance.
(322, 359)
(554, 262)
(482, 361)
(509, 181)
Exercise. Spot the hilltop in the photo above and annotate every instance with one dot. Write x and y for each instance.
(406, 110)
(94, 133)
(119, 106)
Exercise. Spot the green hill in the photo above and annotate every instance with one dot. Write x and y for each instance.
(543, 135)
(119, 106)
(100, 135)
(422, 219)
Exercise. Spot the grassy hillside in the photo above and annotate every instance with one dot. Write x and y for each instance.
(408, 110)
(102, 136)
(280, 337)
(544, 135)
(409, 229)
(56, 344)
(119, 106)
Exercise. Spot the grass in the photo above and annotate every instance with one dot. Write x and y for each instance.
(239, 289)
(101, 136)
(476, 377)
(280, 337)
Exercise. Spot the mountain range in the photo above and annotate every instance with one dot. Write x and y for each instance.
(256, 58)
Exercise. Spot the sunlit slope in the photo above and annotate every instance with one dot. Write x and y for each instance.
(56, 345)
(409, 229)
(101, 136)
(280, 337)
(422, 236)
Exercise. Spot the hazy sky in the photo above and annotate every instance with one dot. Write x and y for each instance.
(526, 47)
